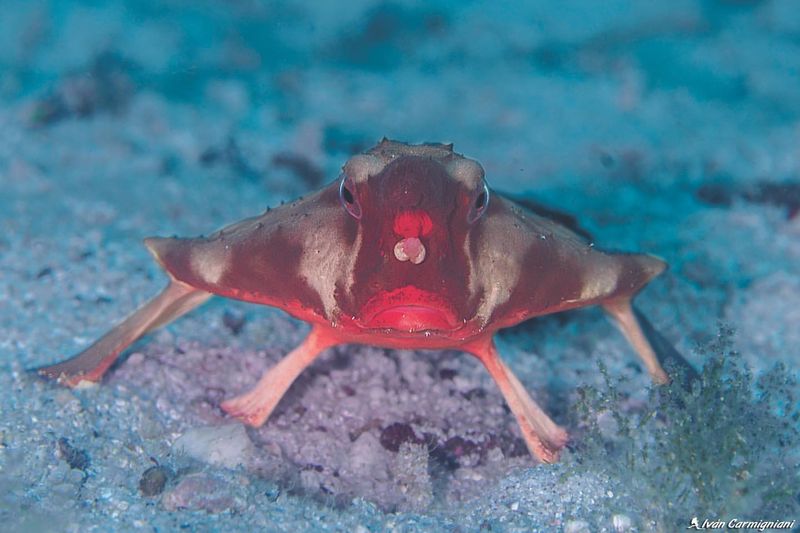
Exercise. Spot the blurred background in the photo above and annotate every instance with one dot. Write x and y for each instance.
(688, 90)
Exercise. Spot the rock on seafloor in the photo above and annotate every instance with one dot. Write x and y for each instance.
(203, 492)
(153, 481)
(227, 445)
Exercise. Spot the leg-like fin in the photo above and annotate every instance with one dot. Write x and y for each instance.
(622, 313)
(544, 438)
(255, 406)
(90, 365)
(666, 353)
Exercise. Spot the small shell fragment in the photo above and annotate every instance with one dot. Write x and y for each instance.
(622, 523)
(577, 526)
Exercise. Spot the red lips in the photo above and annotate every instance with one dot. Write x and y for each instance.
(409, 309)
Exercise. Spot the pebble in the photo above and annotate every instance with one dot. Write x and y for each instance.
(621, 523)
(367, 457)
(393, 435)
(227, 445)
(74, 457)
(202, 492)
(153, 481)
(577, 526)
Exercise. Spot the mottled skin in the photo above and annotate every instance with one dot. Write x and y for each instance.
(404, 250)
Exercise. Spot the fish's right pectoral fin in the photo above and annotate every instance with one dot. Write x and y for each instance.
(90, 365)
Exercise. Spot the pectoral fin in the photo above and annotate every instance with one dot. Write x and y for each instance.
(545, 439)
(622, 313)
(666, 353)
(255, 406)
(90, 365)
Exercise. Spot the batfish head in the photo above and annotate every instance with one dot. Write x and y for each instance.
(415, 207)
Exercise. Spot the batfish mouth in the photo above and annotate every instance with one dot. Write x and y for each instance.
(409, 310)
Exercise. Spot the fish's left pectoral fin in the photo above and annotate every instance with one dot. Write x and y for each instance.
(680, 369)
(544, 438)
(621, 311)
(90, 365)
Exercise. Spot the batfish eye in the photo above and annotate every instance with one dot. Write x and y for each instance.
(480, 204)
(348, 199)
(480, 201)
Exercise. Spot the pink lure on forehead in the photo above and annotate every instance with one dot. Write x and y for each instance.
(410, 249)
